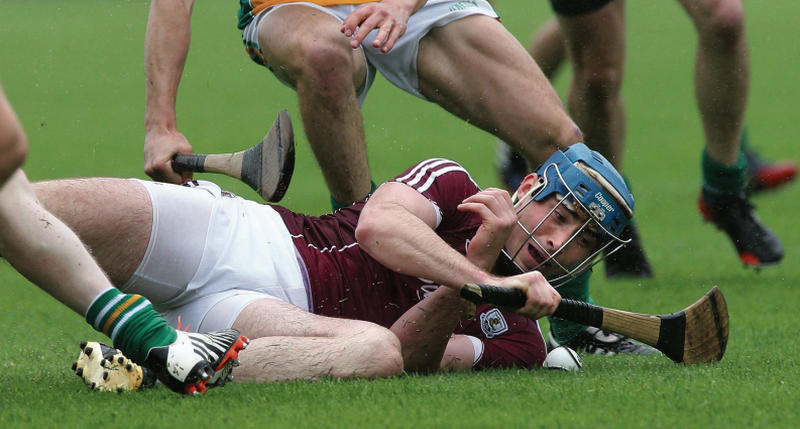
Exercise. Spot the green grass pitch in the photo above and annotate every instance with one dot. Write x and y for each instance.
(74, 72)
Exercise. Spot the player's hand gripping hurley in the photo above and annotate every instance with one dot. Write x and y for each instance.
(698, 333)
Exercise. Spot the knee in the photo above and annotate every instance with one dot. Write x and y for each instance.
(327, 68)
(721, 22)
(540, 142)
(385, 354)
(599, 82)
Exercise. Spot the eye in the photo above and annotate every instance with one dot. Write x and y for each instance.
(588, 240)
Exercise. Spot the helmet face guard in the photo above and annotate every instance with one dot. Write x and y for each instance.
(584, 183)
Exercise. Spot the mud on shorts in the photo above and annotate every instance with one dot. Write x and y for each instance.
(211, 254)
(399, 65)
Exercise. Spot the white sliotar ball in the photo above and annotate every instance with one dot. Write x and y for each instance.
(563, 358)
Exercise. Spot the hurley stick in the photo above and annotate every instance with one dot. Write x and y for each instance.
(266, 167)
(698, 333)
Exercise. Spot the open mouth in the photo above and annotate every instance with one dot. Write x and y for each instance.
(537, 256)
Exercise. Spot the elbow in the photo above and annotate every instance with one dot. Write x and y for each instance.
(368, 234)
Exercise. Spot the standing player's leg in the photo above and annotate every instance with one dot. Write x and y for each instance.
(500, 88)
(305, 48)
(548, 50)
(721, 84)
(595, 42)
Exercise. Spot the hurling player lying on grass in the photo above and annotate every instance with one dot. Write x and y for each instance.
(356, 293)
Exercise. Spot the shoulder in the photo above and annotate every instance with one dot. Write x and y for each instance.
(440, 180)
(423, 174)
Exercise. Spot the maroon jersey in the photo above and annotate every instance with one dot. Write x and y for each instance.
(347, 282)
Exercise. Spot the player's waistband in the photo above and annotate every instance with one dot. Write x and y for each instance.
(251, 8)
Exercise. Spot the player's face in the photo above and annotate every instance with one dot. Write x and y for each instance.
(551, 237)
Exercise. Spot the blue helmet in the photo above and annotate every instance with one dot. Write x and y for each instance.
(585, 181)
(591, 179)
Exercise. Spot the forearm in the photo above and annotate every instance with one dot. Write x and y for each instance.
(404, 243)
(166, 47)
(425, 329)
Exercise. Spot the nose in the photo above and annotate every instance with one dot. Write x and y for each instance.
(556, 239)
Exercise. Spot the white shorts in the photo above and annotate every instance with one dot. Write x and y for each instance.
(398, 66)
(211, 254)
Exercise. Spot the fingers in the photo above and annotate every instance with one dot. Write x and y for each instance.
(492, 196)
(542, 300)
(162, 172)
(158, 153)
(389, 21)
(492, 204)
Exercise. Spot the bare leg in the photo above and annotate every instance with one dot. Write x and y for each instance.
(548, 49)
(113, 218)
(288, 343)
(596, 46)
(499, 87)
(32, 239)
(45, 250)
(305, 48)
(722, 74)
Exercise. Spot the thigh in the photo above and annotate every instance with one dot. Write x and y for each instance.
(272, 317)
(113, 218)
(288, 343)
(596, 41)
(477, 70)
(294, 36)
(399, 66)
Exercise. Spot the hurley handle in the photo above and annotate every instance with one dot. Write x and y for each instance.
(188, 162)
(569, 309)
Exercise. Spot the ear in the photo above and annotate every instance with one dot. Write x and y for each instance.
(529, 184)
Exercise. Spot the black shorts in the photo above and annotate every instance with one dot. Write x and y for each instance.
(577, 7)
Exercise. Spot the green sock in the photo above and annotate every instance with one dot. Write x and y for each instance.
(721, 179)
(131, 323)
(337, 205)
(577, 289)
